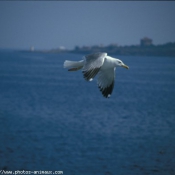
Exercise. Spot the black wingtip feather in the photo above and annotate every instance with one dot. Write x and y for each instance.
(107, 91)
(88, 75)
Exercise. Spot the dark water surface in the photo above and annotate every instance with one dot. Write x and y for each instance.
(52, 119)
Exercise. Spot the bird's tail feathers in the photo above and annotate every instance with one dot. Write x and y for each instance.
(73, 65)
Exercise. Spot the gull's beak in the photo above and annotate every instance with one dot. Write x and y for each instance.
(125, 66)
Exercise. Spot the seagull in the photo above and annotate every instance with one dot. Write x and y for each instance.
(101, 64)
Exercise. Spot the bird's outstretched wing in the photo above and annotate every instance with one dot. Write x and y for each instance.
(106, 81)
(93, 63)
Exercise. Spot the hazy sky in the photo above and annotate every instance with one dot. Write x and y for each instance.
(48, 25)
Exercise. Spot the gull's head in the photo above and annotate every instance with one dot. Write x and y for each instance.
(120, 63)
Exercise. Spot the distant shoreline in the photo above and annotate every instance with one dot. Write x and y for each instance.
(167, 49)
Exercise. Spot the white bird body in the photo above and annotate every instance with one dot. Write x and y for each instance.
(101, 64)
(109, 62)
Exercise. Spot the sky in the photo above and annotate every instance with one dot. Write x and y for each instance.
(49, 25)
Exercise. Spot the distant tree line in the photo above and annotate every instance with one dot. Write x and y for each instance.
(167, 49)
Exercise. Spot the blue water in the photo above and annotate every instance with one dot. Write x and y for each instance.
(52, 119)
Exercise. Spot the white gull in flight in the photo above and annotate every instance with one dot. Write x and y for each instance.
(101, 64)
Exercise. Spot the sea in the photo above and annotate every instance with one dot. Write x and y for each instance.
(53, 121)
